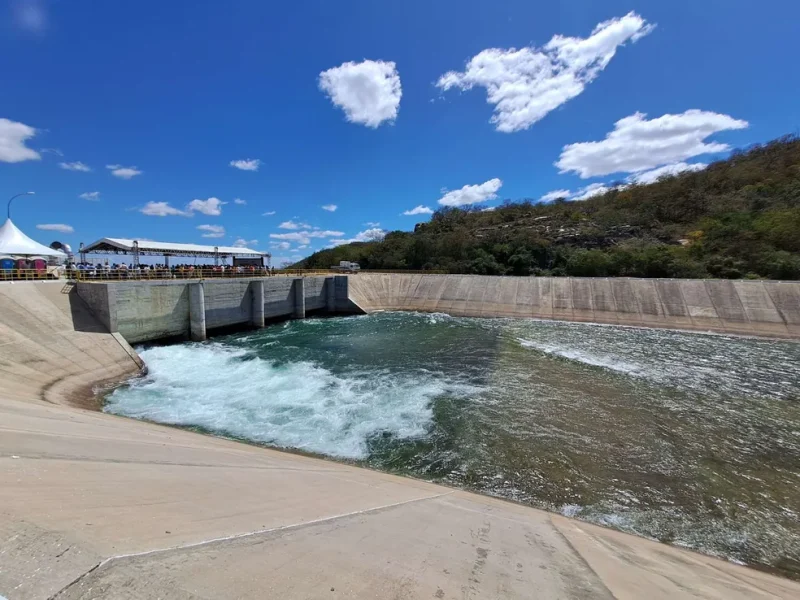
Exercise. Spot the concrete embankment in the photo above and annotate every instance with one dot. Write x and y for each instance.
(761, 308)
(96, 506)
(51, 346)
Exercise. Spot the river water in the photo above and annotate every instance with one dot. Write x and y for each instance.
(686, 438)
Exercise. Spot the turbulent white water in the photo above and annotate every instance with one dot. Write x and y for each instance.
(686, 438)
(293, 405)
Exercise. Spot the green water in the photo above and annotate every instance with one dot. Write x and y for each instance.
(685, 438)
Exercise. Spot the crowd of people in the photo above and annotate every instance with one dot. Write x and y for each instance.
(85, 270)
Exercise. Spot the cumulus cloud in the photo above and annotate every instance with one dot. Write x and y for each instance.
(246, 164)
(94, 196)
(75, 166)
(293, 225)
(304, 237)
(666, 171)
(472, 194)
(212, 231)
(211, 207)
(243, 243)
(29, 15)
(370, 235)
(637, 144)
(60, 227)
(163, 209)
(330, 207)
(525, 85)
(594, 189)
(555, 195)
(371, 224)
(368, 92)
(281, 245)
(417, 210)
(13, 136)
(239, 201)
(269, 213)
(123, 172)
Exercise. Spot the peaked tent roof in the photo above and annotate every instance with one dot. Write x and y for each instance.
(13, 241)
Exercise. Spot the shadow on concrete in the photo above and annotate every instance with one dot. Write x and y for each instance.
(82, 317)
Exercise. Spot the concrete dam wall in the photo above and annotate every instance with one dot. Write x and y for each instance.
(762, 308)
(148, 310)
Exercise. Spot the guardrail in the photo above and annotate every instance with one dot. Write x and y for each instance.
(101, 274)
(26, 274)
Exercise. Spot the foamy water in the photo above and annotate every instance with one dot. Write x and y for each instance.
(685, 438)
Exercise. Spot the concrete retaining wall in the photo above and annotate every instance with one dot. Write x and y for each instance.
(763, 308)
(149, 310)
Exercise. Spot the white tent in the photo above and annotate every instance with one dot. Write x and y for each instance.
(13, 241)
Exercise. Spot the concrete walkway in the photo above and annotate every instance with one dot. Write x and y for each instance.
(96, 506)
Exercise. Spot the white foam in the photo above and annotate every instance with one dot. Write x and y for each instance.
(295, 405)
(588, 358)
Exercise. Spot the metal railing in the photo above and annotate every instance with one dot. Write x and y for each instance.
(101, 274)
(26, 274)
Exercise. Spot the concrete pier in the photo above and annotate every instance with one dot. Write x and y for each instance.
(257, 290)
(197, 312)
(299, 287)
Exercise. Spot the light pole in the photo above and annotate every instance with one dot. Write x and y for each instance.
(17, 196)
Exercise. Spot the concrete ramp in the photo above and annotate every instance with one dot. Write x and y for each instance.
(51, 346)
(759, 308)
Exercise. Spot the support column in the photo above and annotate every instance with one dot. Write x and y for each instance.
(330, 294)
(299, 299)
(197, 312)
(258, 303)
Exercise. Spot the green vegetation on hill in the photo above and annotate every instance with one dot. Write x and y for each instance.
(740, 217)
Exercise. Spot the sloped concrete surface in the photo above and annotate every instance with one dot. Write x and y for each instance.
(758, 308)
(97, 506)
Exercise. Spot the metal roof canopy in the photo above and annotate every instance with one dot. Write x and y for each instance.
(151, 248)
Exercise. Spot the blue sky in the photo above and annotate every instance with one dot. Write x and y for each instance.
(374, 107)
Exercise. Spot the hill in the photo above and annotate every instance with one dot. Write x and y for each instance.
(740, 217)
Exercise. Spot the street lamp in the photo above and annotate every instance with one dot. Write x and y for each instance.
(17, 196)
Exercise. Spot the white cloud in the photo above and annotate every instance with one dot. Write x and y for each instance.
(212, 231)
(525, 85)
(55, 151)
(12, 142)
(243, 243)
(304, 237)
(60, 227)
(472, 194)
(75, 166)
(293, 225)
(90, 196)
(246, 164)
(417, 210)
(330, 207)
(555, 195)
(674, 169)
(281, 245)
(368, 92)
(303, 247)
(637, 144)
(370, 235)
(163, 209)
(269, 213)
(371, 224)
(239, 201)
(123, 172)
(29, 15)
(211, 207)
(593, 189)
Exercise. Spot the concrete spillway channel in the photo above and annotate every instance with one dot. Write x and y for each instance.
(96, 506)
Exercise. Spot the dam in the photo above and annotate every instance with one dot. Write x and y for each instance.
(94, 505)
